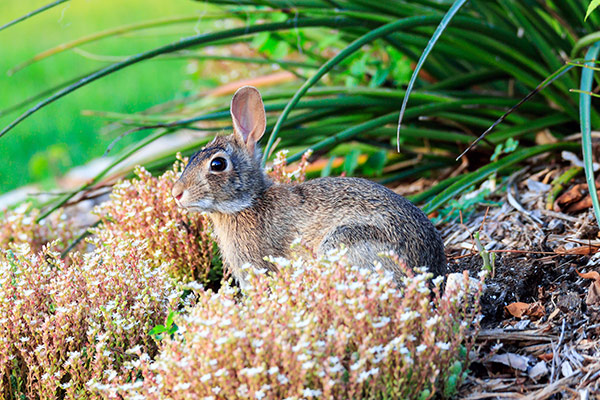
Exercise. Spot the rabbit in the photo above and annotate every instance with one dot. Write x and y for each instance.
(254, 218)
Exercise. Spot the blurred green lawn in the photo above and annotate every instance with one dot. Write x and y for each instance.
(59, 137)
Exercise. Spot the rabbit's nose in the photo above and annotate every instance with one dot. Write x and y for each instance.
(177, 191)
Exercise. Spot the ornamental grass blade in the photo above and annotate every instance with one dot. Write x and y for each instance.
(585, 100)
(436, 35)
(32, 13)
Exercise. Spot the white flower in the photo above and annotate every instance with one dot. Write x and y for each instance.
(182, 386)
(432, 321)
(376, 349)
(111, 374)
(239, 334)
(383, 322)
(134, 349)
(407, 316)
(421, 348)
(363, 375)
(443, 346)
(216, 389)
(252, 371)
(259, 395)
(308, 365)
(242, 390)
(205, 378)
(311, 393)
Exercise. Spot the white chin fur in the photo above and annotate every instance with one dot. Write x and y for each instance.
(199, 206)
(233, 206)
(227, 207)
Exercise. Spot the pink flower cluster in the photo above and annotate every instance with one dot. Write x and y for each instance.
(143, 209)
(318, 329)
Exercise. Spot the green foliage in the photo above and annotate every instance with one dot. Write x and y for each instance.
(489, 259)
(168, 329)
(504, 148)
(351, 61)
(591, 7)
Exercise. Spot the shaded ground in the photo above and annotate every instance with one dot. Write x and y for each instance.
(552, 350)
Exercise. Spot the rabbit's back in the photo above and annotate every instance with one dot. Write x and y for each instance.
(369, 219)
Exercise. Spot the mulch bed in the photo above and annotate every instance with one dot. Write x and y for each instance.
(541, 319)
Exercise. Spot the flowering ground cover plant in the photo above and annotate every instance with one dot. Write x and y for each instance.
(64, 325)
(317, 329)
(143, 209)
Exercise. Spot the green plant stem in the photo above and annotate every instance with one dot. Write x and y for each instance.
(31, 14)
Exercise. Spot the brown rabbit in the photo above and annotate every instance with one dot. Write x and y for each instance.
(253, 217)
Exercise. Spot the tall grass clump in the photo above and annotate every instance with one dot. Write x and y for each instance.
(142, 211)
(317, 329)
(347, 64)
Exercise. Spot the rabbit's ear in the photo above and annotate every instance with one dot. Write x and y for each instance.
(248, 115)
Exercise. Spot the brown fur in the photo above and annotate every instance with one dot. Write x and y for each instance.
(254, 218)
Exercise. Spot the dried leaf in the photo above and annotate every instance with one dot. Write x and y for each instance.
(580, 251)
(569, 197)
(593, 296)
(589, 275)
(536, 310)
(538, 370)
(512, 360)
(519, 310)
(544, 137)
(546, 356)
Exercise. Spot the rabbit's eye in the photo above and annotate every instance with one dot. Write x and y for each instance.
(218, 164)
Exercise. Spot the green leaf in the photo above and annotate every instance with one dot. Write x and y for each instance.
(593, 5)
(170, 318)
(375, 163)
(587, 78)
(351, 162)
(327, 170)
(468, 180)
(196, 40)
